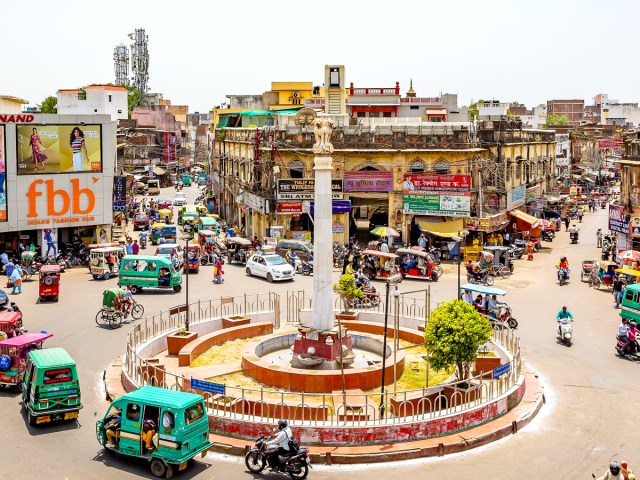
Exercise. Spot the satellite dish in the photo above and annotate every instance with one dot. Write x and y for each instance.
(305, 117)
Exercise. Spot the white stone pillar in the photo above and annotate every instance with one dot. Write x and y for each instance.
(323, 318)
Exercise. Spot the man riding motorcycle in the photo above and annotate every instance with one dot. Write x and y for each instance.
(563, 268)
(573, 233)
(280, 444)
(563, 316)
(613, 473)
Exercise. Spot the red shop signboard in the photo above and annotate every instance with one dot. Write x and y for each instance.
(289, 207)
(417, 182)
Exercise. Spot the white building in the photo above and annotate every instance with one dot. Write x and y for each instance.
(9, 104)
(94, 100)
(535, 118)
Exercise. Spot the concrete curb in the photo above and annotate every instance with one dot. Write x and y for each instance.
(508, 424)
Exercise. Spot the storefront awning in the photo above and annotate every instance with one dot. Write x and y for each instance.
(525, 217)
(441, 229)
(158, 171)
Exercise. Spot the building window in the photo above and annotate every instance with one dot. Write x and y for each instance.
(386, 114)
(296, 169)
(417, 166)
(441, 167)
(109, 98)
(360, 115)
(82, 96)
(414, 107)
(374, 114)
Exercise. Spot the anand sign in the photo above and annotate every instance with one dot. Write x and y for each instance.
(63, 201)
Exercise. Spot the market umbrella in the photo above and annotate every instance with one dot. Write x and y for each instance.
(544, 224)
(632, 255)
(385, 232)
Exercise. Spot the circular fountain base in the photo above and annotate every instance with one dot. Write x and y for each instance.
(268, 362)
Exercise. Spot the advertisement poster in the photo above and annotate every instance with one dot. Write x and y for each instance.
(49, 242)
(304, 189)
(120, 189)
(3, 178)
(432, 182)
(516, 197)
(50, 149)
(617, 219)
(437, 203)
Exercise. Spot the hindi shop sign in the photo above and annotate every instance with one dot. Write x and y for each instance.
(617, 219)
(288, 208)
(304, 189)
(451, 204)
(431, 182)
(368, 181)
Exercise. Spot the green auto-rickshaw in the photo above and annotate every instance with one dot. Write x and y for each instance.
(166, 427)
(148, 271)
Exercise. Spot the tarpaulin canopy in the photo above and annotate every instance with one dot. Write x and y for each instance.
(525, 217)
(436, 226)
(158, 171)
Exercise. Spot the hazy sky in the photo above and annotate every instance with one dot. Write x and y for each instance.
(528, 51)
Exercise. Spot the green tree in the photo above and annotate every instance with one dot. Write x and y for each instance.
(49, 105)
(135, 97)
(473, 109)
(346, 288)
(453, 334)
(555, 120)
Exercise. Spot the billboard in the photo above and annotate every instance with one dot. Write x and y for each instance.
(516, 197)
(433, 182)
(618, 221)
(50, 149)
(437, 203)
(304, 189)
(3, 177)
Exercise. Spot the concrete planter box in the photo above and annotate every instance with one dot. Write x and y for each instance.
(485, 364)
(236, 321)
(347, 316)
(175, 341)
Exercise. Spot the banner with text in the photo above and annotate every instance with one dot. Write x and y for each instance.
(432, 182)
(516, 197)
(304, 189)
(368, 181)
(453, 204)
(617, 219)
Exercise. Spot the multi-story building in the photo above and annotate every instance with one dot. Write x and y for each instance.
(94, 100)
(572, 109)
(624, 217)
(438, 177)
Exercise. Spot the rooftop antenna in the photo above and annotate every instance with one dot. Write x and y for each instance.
(140, 60)
(121, 64)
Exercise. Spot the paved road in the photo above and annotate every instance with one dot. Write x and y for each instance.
(589, 390)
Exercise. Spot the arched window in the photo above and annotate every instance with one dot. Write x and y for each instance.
(296, 169)
(417, 166)
(442, 167)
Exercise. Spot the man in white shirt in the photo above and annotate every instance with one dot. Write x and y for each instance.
(467, 296)
(493, 306)
(408, 184)
(622, 329)
(280, 442)
(384, 246)
(422, 241)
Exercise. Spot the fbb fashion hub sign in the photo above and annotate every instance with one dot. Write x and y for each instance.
(61, 201)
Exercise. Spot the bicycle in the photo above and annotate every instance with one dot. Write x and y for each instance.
(109, 315)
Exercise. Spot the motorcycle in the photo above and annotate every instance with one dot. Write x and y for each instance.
(632, 349)
(143, 242)
(296, 463)
(574, 237)
(565, 330)
(563, 275)
(483, 278)
(547, 235)
(516, 251)
(502, 316)
(307, 268)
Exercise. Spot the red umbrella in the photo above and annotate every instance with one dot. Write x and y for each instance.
(632, 255)
(544, 224)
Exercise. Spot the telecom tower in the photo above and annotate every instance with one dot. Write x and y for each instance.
(140, 60)
(121, 64)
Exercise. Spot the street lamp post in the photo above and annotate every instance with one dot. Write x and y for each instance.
(458, 240)
(187, 229)
(394, 280)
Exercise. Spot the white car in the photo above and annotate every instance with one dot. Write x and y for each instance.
(270, 266)
(180, 199)
(169, 250)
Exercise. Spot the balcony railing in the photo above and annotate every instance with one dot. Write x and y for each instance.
(375, 91)
(429, 100)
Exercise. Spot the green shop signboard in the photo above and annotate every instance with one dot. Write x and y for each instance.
(452, 204)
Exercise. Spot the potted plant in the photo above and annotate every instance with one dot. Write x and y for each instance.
(177, 340)
(348, 292)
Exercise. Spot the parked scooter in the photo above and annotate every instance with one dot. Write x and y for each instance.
(565, 330)
(307, 268)
(548, 235)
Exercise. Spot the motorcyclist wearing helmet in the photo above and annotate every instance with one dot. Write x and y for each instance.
(613, 473)
(563, 266)
(632, 337)
(279, 445)
(563, 316)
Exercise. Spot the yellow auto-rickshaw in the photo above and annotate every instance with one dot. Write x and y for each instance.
(166, 215)
(156, 232)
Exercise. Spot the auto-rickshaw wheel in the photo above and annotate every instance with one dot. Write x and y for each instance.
(158, 468)
(177, 288)
(106, 275)
(170, 471)
(489, 280)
